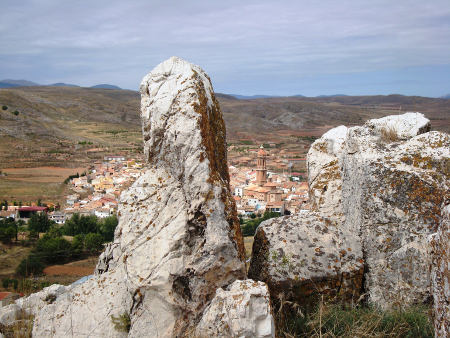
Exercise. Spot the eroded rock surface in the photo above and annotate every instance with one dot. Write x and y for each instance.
(242, 310)
(385, 182)
(304, 254)
(178, 238)
(440, 275)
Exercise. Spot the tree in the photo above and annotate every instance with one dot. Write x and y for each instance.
(53, 250)
(81, 225)
(31, 265)
(40, 222)
(8, 230)
(107, 228)
(93, 242)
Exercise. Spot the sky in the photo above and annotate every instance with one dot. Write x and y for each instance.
(247, 47)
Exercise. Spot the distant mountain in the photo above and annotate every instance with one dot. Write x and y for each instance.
(225, 96)
(334, 95)
(61, 84)
(105, 86)
(445, 97)
(9, 83)
(251, 97)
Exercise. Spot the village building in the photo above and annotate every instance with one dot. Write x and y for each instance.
(25, 213)
(58, 217)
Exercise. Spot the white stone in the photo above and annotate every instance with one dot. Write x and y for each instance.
(242, 310)
(178, 237)
(406, 125)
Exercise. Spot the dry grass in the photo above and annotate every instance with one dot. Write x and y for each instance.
(248, 244)
(342, 320)
(388, 134)
(21, 328)
(10, 257)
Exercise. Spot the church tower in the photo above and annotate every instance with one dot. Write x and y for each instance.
(261, 170)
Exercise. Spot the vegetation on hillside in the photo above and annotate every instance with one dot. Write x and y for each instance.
(88, 232)
(249, 226)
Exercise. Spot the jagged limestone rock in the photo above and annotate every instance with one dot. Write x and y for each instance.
(178, 238)
(440, 275)
(305, 254)
(242, 310)
(324, 174)
(385, 182)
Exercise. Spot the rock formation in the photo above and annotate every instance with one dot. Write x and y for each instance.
(243, 310)
(306, 254)
(178, 238)
(440, 275)
(385, 181)
(380, 187)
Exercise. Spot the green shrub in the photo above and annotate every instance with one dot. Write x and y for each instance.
(15, 112)
(249, 227)
(5, 283)
(4, 107)
(93, 242)
(122, 323)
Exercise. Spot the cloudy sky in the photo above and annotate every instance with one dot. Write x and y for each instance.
(247, 47)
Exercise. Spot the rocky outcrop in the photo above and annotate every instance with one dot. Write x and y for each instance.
(384, 182)
(178, 238)
(306, 254)
(440, 275)
(376, 192)
(242, 310)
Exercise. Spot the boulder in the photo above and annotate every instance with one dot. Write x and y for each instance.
(178, 238)
(242, 310)
(440, 275)
(392, 195)
(384, 182)
(305, 254)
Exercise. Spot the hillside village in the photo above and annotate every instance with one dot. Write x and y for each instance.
(256, 189)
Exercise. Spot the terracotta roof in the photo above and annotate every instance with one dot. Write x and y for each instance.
(33, 209)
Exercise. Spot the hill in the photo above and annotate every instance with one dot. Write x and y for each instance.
(105, 86)
(72, 126)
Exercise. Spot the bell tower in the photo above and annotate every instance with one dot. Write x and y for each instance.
(261, 170)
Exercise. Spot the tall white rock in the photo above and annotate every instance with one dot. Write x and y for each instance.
(178, 238)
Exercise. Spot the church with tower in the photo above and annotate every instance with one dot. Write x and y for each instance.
(263, 192)
(261, 169)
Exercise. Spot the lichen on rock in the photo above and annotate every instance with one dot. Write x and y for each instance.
(305, 255)
(440, 275)
(386, 192)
